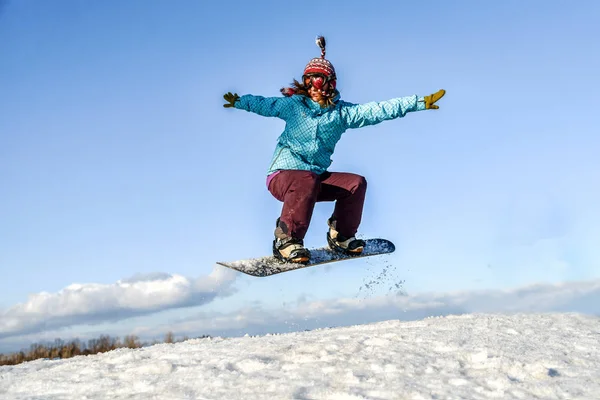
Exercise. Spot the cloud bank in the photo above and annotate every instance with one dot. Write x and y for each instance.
(45, 314)
(97, 303)
(579, 297)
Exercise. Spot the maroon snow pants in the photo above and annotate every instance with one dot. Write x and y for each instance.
(300, 190)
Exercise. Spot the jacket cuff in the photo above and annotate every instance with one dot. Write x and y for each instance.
(238, 104)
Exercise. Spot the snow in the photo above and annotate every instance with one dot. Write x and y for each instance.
(475, 356)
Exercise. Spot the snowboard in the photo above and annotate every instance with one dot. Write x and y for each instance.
(269, 265)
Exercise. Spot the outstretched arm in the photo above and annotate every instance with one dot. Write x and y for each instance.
(359, 115)
(265, 106)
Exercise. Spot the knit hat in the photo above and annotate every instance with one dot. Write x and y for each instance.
(318, 65)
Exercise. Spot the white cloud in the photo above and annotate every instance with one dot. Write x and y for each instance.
(44, 316)
(583, 297)
(96, 303)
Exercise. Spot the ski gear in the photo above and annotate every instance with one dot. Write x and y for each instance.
(300, 190)
(312, 132)
(317, 67)
(320, 65)
(288, 248)
(338, 242)
(431, 99)
(266, 266)
(322, 83)
(230, 99)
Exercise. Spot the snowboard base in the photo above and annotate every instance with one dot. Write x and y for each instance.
(269, 265)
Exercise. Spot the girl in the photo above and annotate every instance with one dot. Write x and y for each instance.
(315, 120)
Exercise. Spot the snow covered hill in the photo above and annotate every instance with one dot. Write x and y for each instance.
(477, 356)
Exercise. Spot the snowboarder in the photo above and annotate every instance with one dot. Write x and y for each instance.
(315, 119)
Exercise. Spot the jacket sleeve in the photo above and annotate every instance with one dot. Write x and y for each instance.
(359, 115)
(266, 106)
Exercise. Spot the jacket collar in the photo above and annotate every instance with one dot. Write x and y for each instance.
(316, 107)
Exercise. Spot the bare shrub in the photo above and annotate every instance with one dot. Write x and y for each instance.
(61, 349)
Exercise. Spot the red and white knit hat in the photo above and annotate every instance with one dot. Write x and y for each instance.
(320, 65)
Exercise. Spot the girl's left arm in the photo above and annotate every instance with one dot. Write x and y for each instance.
(359, 115)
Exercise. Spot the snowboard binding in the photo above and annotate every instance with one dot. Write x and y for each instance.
(349, 246)
(291, 250)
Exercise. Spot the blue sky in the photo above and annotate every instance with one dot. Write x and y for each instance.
(117, 159)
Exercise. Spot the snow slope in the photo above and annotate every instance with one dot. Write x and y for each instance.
(480, 356)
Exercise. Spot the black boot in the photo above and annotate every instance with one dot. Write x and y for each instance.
(289, 249)
(347, 245)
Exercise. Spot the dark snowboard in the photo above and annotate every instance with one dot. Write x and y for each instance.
(269, 265)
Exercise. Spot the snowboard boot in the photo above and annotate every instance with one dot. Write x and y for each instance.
(287, 248)
(346, 245)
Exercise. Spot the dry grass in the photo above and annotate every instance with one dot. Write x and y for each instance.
(61, 349)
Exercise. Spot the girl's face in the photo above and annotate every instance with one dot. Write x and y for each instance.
(315, 94)
(317, 86)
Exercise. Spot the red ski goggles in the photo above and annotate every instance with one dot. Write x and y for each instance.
(320, 82)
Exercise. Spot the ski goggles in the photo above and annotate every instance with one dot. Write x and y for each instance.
(319, 81)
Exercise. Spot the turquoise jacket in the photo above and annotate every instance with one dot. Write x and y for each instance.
(311, 132)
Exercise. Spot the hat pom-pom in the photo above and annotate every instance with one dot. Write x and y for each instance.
(287, 91)
(321, 43)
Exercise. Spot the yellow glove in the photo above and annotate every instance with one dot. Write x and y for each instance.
(431, 99)
(230, 98)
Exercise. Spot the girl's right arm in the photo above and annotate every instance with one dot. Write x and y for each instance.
(279, 107)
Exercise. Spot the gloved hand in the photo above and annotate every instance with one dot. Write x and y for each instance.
(230, 98)
(431, 99)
